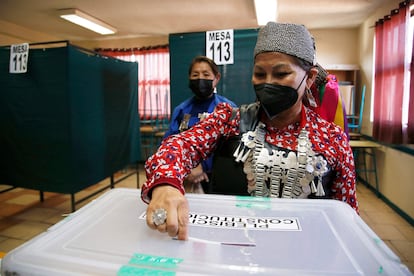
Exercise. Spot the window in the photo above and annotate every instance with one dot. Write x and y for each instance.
(393, 109)
(153, 78)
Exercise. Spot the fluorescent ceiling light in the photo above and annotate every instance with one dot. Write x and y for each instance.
(266, 10)
(87, 21)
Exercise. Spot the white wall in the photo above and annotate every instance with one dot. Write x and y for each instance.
(336, 46)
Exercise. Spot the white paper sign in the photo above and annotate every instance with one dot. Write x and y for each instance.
(242, 222)
(219, 46)
(251, 223)
(19, 55)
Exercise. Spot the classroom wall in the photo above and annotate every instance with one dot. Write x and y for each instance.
(16, 34)
(336, 46)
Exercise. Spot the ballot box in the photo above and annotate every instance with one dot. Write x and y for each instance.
(228, 235)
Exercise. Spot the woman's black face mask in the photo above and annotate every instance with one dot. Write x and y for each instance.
(275, 98)
(202, 88)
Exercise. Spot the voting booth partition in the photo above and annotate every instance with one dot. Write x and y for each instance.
(228, 235)
(69, 120)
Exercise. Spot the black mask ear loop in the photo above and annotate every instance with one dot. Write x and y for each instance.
(300, 84)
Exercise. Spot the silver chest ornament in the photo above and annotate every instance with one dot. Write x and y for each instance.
(277, 173)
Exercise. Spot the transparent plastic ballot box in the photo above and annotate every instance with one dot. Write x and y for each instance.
(228, 235)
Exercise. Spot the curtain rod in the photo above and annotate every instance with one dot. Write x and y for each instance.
(40, 43)
(133, 49)
(392, 12)
(49, 42)
(67, 42)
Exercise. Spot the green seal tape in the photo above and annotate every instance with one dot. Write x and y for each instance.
(157, 261)
(135, 271)
(253, 202)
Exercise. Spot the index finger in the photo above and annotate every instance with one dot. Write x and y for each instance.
(183, 215)
(172, 222)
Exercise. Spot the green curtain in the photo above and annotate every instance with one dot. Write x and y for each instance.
(69, 122)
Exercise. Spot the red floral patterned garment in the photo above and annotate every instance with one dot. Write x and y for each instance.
(178, 154)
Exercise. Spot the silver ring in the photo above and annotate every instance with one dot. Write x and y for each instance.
(159, 216)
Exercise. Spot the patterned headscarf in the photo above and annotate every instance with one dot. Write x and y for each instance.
(291, 39)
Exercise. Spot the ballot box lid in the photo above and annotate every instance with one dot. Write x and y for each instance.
(228, 235)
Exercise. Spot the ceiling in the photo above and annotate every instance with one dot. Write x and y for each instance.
(140, 18)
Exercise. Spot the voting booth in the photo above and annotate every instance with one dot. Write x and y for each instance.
(228, 235)
(68, 116)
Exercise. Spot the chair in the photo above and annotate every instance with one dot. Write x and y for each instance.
(355, 121)
(152, 132)
(362, 148)
(162, 127)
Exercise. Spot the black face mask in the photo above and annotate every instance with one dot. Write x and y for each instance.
(275, 99)
(202, 88)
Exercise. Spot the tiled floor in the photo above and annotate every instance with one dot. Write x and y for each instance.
(23, 216)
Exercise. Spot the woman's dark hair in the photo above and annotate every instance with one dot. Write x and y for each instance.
(305, 65)
(207, 60)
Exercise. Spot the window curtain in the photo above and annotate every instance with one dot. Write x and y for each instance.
(391, 73)
(410, 126)
(153, 78)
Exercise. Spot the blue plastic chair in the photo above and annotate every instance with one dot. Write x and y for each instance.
(355, 121)
(361, 153)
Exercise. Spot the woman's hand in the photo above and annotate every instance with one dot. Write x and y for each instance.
(196, 176)
(176, 205)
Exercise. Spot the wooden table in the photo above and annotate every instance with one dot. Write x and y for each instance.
(363, 144)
